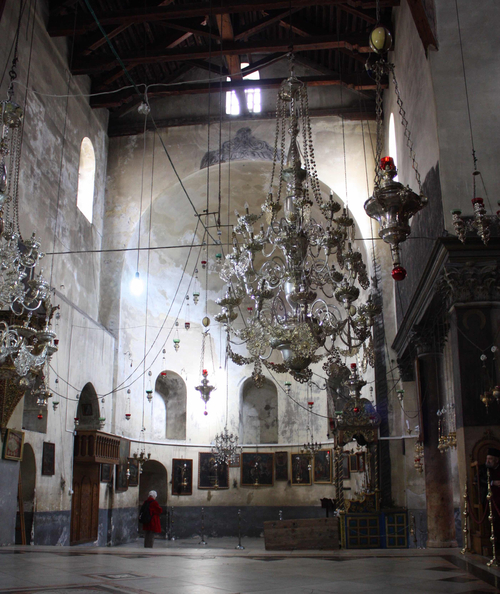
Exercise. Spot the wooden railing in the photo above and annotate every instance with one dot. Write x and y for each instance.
(96, 446)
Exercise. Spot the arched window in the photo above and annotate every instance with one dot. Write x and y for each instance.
(170, 406)
(88, 408)
(86, 177)
(259, 413)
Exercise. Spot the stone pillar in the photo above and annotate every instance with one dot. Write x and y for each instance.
(438, 481)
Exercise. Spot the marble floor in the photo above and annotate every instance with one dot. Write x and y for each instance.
(186, 567)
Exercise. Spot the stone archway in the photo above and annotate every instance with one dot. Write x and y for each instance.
(88, 408)
(170, 398)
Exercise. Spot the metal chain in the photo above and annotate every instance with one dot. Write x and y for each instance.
(276, 139)
(378, 69)
(202, 358)
(404, 121)
(310, 146)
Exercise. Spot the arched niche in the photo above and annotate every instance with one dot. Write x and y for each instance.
(169, 404)
(259, 412)
(154, 478)
(27, 469)
(88, 408)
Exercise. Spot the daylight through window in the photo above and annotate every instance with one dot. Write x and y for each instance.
(252, 96)
(86, 177)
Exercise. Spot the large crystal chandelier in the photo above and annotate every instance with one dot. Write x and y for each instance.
(287, 268)
(225, 448)
(26, 340)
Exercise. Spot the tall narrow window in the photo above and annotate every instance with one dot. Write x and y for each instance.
(252, 96)
(86, 177)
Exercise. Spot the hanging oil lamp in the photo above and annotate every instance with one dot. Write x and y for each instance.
(128, 414)
(176, 340)
(149, 389)
(187, 317)
(392, 206)
(205, 389)
(196, 287)
(163, 371)
(102, 418)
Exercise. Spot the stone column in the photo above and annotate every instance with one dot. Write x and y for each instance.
(438, 482)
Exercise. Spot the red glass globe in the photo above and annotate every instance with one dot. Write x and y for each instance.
(398, 273)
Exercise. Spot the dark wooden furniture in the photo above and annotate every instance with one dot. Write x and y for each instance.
(310, 534)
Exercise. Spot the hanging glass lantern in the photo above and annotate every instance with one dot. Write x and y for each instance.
(187, 316)
(392, 206)
(163, 371)
(55, 404)
(196, 287)
(77, 421)
(102, 418)
(149, 389)
(205, 389)
(128, 414)
(176, 340)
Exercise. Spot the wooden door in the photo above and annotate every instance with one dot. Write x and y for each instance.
(85, 503)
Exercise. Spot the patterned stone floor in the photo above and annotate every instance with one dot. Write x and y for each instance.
(186, 567)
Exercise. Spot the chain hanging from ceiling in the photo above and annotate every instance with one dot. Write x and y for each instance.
(287, 268)
(26, 339)
(392, 204)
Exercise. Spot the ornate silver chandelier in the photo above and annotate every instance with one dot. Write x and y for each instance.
(287, 268)
(225, 448)
(27, 345)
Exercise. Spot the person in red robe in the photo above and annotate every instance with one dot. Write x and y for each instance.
(153, 527)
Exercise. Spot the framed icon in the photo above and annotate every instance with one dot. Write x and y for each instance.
(182, 477)
(212, 475)
(346, 474)
(301, 467)
(322, 467)
(353, 463)
(257, 469)
(107, 473)
(13, 445)
(48, 459)
(281, 466)
(133, 467)
(361, 461)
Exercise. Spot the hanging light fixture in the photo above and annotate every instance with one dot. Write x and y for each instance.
(102, 417)
(187, 315)
(392, 204)
(225, 448)
(288, 315)
(480, 221)
(149, 388)
(29, 344)
(311, 447)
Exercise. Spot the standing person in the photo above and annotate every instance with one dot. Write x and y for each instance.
(150, 518)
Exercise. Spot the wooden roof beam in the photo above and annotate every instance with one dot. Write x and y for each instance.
(154, 91)
(66, 26)
(423, 24)
(354, 43)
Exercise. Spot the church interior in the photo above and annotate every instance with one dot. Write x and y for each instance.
(304, 354)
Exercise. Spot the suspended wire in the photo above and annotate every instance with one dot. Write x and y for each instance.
(142, 189)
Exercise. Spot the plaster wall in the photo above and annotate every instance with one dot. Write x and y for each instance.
(54, 127)
(479, 30)
(147, 323)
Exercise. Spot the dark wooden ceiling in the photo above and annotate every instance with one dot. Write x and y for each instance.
(159, 42)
